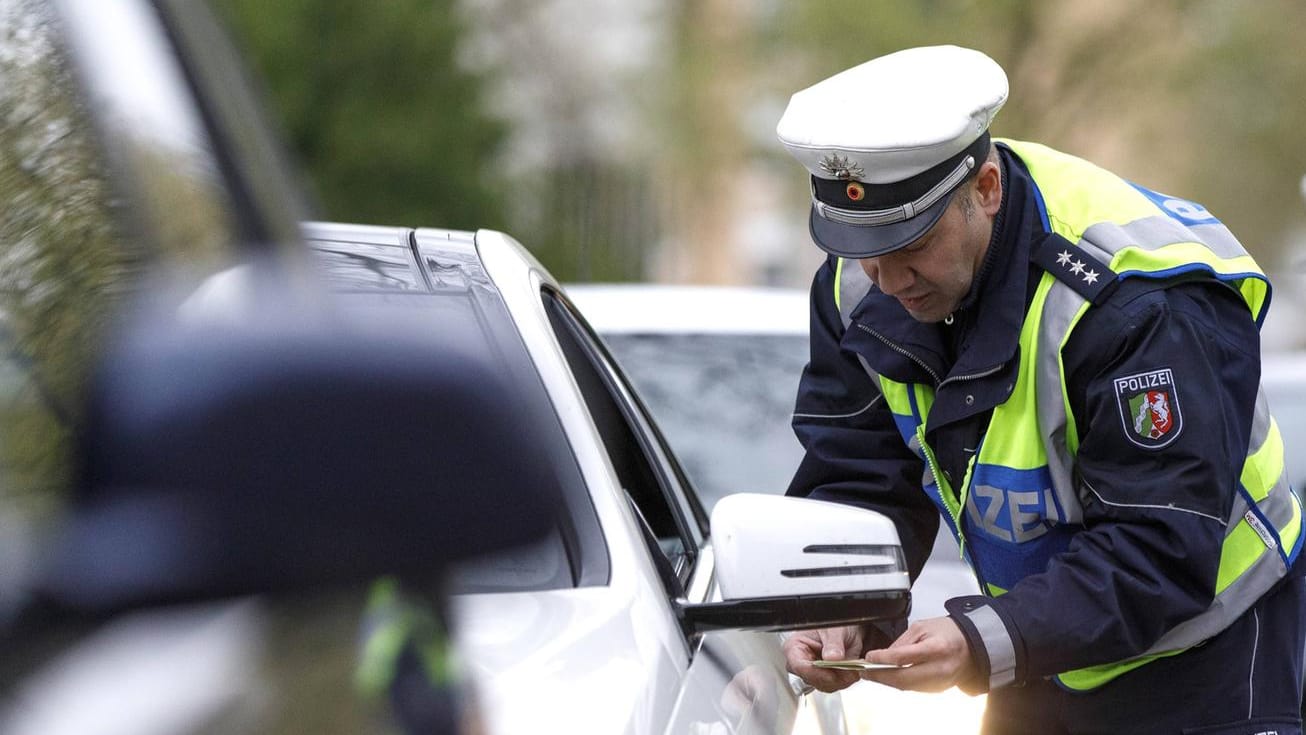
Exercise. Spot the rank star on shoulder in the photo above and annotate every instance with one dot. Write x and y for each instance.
(1064, 257)
(1078, 267)
(1090, 277)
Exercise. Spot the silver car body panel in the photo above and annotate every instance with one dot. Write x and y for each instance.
(625, 649)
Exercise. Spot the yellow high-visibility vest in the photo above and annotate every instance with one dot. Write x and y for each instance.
(1025, 461)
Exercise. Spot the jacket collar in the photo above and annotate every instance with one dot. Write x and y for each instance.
(985, 334)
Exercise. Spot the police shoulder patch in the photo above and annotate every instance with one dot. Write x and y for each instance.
(1149, 408)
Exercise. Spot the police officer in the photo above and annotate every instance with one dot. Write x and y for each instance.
(1064, 367)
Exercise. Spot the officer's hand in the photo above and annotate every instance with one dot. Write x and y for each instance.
(830, 644)
(937, 652)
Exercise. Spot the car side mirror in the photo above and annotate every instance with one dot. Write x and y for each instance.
(791, 563)
(225, 460)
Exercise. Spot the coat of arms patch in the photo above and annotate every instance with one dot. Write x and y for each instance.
(1149, 408)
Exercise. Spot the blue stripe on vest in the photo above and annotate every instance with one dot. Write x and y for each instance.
(1230, 279)
(907, 428)
(1185, 211)
(1287, 555)
(1013, 522)
(1004, 564)
(1042, 205)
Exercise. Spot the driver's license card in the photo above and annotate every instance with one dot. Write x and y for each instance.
(856, 664)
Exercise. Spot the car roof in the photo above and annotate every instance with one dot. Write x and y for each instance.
(661, 308)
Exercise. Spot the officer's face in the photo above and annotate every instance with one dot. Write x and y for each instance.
(932, 275)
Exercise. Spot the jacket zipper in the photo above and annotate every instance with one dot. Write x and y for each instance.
(934, 468)
(900, 350)
(938, 382)
(972, 376)
(925, 448)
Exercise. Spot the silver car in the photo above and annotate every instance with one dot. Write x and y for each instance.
(632, 618)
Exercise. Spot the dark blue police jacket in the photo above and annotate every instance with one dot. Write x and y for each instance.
(1133, 570)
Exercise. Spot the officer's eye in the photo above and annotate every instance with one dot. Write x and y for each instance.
(918, 245)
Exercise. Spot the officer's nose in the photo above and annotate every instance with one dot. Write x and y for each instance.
(888, 273)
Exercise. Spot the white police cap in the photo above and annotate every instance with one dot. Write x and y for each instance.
(889, 141)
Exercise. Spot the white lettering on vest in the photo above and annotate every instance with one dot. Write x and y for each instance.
(1266, 536)
(993, 506)
(1026, 517)
(1025, 525)
(1187, 209)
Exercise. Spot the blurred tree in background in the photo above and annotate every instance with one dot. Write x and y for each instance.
(573, 79)
(634, 139)
(1197, 98)
(390, 129)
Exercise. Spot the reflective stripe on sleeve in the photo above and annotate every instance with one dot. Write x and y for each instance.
(997, 642)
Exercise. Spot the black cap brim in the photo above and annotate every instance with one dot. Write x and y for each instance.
(860, 241)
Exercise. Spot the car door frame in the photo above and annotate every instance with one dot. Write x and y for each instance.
(730, 678)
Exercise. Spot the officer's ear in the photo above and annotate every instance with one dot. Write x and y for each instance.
(988, 187)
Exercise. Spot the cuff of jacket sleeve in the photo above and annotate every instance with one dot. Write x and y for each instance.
(993, 644)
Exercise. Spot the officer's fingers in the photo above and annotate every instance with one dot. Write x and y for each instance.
(840, 643)
(800, 651)
(926, 668)
(915, 633)
(826, 680)
(906, 655)
(932, 676)
(854, 637)
(932, 659)
(923, 667)
(832, 680)
(802, 647)
(941, 634)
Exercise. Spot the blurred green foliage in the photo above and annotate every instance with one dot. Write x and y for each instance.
(390, 129)
(61, 264)
(1197, 98)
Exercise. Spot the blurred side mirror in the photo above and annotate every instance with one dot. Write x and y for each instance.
(790, 563)
(225, 461)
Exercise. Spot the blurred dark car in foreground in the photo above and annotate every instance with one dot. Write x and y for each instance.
(181, 532)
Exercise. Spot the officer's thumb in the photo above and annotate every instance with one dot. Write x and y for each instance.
(831, 648)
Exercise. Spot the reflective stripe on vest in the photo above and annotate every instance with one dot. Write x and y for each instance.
(392, 624)
(1018, 504)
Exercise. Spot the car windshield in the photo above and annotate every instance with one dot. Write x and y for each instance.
(723, 401)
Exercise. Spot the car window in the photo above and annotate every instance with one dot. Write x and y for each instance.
(724, 401)
(644, 465)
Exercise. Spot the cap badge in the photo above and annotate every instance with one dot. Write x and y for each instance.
(841, 167)
(855, 191)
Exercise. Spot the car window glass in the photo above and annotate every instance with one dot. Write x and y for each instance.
(724, 402)
(635, 451)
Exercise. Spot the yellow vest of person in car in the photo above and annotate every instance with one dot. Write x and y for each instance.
(1029, 449)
